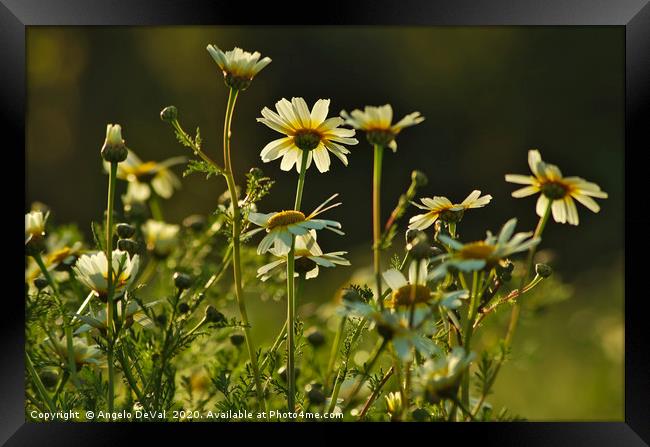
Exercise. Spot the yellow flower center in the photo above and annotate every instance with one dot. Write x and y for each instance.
(307, 139)
(284, 218)
(409, 294)
(477, 250)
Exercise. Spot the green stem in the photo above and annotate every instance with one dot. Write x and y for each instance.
(112, 177)
(291, 386)
(72, 366)
(37, 381)
(236, 255)
(334, 351)
(39, 261)
(375, 393)
(368, 367)
(467, 333)
(301, 181)
(154, 205)
(376, 218)
(516, 310)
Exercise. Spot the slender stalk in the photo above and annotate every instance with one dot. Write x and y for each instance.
(45, 397)
(467, 333)
(375, 393)
(291, 295)
(368, 367)
(291, 312)
(236, 254)
(376, 218)
(68, 325)
(112, 177)
(154, 206)
(516, 310)
(334, 351)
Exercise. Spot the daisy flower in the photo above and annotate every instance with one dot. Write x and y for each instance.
(308, 134)
(84, 354)
(130, 313)
(477, 255)
(547, 179)
(161, 237)
(377, 123)
(92, 271)
(143, 174)
(438, 207)
(239, 67)
(281, 226)
(308, 258)
(439, 378)
(409, 291)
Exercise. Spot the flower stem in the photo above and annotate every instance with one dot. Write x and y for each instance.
(335, 350)
(37, 381)
(516, 309)
(467, 332)
(109, 280)
(236, 255)
(376, 393)
(291, 295)
(376, 218)
(368, 367)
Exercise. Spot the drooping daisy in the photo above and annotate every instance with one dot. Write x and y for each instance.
(308, 134)
(441, 208)
(129, 313)
(439, 378)
(548, 180)
(281, 226)
(308, 258)
(83, 353)
(34, 225)
(161, 237)
(239, 67)
(92, 271)
(487, 253)
(377, 123)
(145, 174)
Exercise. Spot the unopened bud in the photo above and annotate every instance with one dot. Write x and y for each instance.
(212, 315)
(125, 231)
(237, 339)
(182, 281)
(114, 150)
(169, 114)
(128, 245)
(315, 337)
(419, 178)
(543, 270)
(41, 283)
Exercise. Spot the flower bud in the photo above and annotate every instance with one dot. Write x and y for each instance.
(315, 393)
(161, 319)
(419, 178)
(41, 283)
(351, 296)
(114, 150)
(183, 308)
(212, 315)
(128, 245)
(315, 337)
(49, 378)
(256, 172)
(420, 415)
(237, 339)
(182, 281)
(125, 231)
(169, 114)
(195, 222)
(543, 270)
(419, 247)
(282, 372)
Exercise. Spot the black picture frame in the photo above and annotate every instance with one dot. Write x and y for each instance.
(633, 15)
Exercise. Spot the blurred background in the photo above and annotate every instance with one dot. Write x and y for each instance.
(488, 94)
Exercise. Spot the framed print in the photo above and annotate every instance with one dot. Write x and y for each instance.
(387, 213)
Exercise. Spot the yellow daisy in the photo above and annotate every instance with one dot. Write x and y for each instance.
(547, 179)
(161, 237)
(441, 208)
(239, 67)
(377, 123)
(309, 134)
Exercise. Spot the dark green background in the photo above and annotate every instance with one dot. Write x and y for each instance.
(488, 95)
